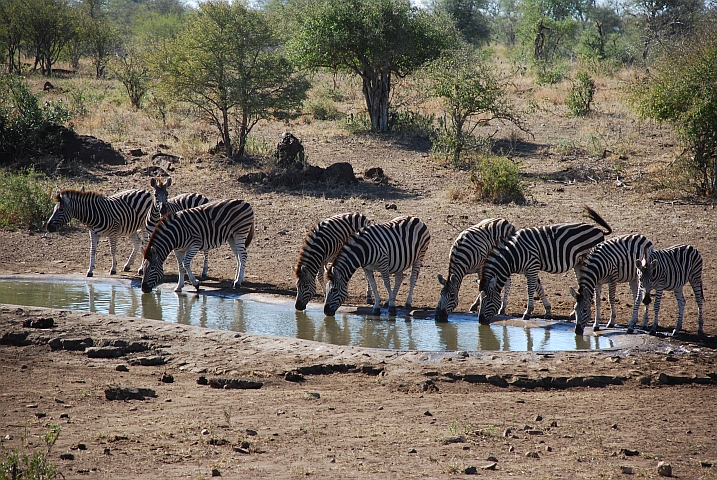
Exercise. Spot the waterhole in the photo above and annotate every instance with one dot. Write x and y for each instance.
(267, 315)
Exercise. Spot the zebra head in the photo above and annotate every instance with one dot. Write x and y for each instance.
(337, 291)
(489, 301)
(62, 213)
(583, 308)
(153, 270)
(449, 296)
(646, 270)
(305, 286)
(160, 194)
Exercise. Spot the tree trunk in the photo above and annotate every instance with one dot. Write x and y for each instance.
(225, 132)
(376, 91)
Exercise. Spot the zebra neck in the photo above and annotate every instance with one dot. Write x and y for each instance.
(91, 210)
(349, 260)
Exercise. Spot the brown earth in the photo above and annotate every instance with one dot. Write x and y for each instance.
(378, 414)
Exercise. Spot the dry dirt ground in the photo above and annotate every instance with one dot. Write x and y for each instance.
(344, 412)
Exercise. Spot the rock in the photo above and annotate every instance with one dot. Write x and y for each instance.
(534, 432)
(205, 431)
(511, 449)
(312, 396)
(81, 446)
(202, 380)
(151, 361)
(251, 433)
(374, 173)
(39, 323)
(104, 352)
(64, 415)
(294, 377)
(413, 450)
(507, 432)
(532, 455)
(490, 466)
(704, 464)
(88, 150)
(216, 473)
(626, 470)
(340, 173)
(31, 405)
(7, 437)
(456, 439)
(48, 86)
(15, 339)
(67, 456)
(71, 344)
(40, 415)
(166, 378)
(391, 206)
(538, 418)
(234, 383)
(629, 453)
(427, 413)
(289, 151)
(106, 451)
(241, 450)
(122, 368)
(128, 393)
(491, 458)
(137, 152)
(553, 424)
(470, 470)
(664, 469)
(548, 448)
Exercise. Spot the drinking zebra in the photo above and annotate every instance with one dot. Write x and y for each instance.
(670, 269)
(321, 245)
(199, 228)
(467, 256)
(118, 215)
(162, 205)
(613, 261)
(550, 248)
(391, 248)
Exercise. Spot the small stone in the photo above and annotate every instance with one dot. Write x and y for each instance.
(67, 456)
(704, 464)
(689, 432)
(40, 414)
(491, 458)
(532, 455)
(538, 418)
(167, 399)
(527, 427)
(202, 380)
(535, 432)
(507, 432)
(511, 449)
(629, 453)
(81, 446)
(427, 413)
(470, 470)
(413, 450)
(132, 409)
(166, 378)
(553, 423)
(241, 450)
(216, 473)
(251, 433)
(664, 469)
(626, 470)
(380, 407)
(59, 400)
(280, 412)
(614, 426)
(490, 466)
(548, 448)
(106, 451)
(313, 395)
(205, 431)
(7, 437)
(31, 405)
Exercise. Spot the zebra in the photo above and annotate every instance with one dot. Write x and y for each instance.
(119, 215)
(199, 228)
(391, 248)
(467, 256)
(670, 269)
(551, 248)
(162, 205)
(613, 261)
(321, 245)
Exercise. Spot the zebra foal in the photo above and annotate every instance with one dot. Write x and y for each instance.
(200, 228)
(119, 215)
(162, 205)
(391, 248)
(321, 245)
(550, 248)
(613, 261)
(467, 256)
(670, 269)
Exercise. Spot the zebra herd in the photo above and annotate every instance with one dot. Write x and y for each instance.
(335, 248)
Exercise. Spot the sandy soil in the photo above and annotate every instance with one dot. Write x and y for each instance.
(337, 412)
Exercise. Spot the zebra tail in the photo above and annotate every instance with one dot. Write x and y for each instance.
(595, 217)
(250, 236)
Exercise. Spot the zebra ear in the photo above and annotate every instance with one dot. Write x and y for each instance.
(441, 280)
(168, 183)
(574, 293)
(82, 188)
(153, 182)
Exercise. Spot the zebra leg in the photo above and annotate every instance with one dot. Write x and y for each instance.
(393, 293)
(94, 239)
(699, 298)
(376, 294)
(188, 257)
(658, 298)
(638, 295)
(136, 244)
(412, 283)
(180, 267)
(205, 270)
(532, 281)
(598, 297)
(504, 305)
(644, 316)
(543, 298)
(369, 295)
(113, 252)
(239, 248)
(680, 310)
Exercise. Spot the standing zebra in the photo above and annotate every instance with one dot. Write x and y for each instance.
(670, 269)
(118, 215)
(321, 245)
(200, 228)
(162, 205)
(613, 261)
(467, 256)
(550, 248)
(391, 248)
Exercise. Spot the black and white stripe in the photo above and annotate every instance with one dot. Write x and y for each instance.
(670, 269)
(612, 261)
(163, 205)
(201, 228)
(391, 248)
(321, 245)
(467, 256)
(119, 215)
(549, 248)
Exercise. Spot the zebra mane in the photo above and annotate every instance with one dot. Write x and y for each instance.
(310, 234)
(154, 232)
(76, 192)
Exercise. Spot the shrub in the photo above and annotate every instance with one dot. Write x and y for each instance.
(25, 199)
(322, 108)
(26, 127)
(581, 94)
(497, 179)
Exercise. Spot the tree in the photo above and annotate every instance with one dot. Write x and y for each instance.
(227, 63)
(374, 39)
(11, 33)
(680, 90)
(469, 18)
(98, 33)
(131, 67)
(49, 27)
(472, 96)
(661, 19)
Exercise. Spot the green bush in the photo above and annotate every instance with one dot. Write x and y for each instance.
(406, 122)
(25, 199)
(322, 108)
(26, 127)
(497, 179)
(31, 466)
(581, 94)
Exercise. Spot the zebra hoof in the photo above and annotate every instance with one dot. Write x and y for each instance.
(376, 311)
(596, 328)
(126, 269)
(653, 332)
(178, 290)
(113, 272)
(392, 311)
(675, 333)
(630, 330)
(700, 331)
(89, 274)
(548, 316)
(140, 272)
(408, 306)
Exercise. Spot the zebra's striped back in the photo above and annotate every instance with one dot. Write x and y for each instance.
(468, 253)
(612, 261)
(172, 205)
(671, 269)
(200, 228)
(321, 245)
(549, 248)
(120, 214)
(391, 247)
